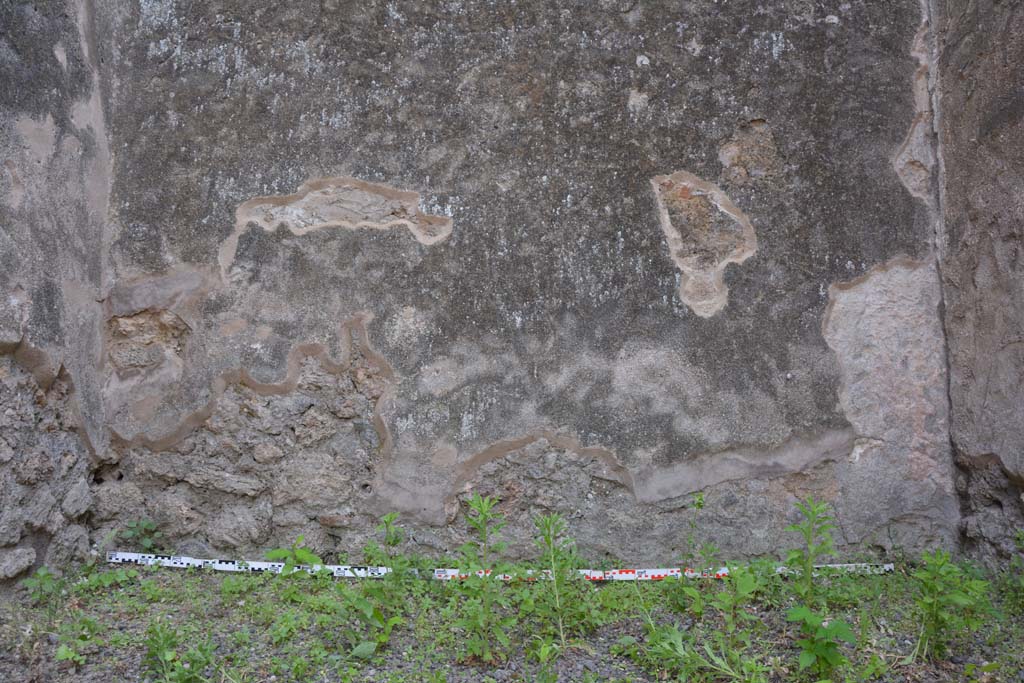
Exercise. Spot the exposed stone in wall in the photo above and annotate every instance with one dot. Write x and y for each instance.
(705, 232)
(145, 339)
(262, 463)
(44, 492)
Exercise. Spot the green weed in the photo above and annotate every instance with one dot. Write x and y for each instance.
(1011, 581)
(168, 664)
(948, 603)
(480, 618)
(43, 586)
(143, 534)
(819, 648)
(816, 531)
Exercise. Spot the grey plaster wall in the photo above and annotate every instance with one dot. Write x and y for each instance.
(306, 263)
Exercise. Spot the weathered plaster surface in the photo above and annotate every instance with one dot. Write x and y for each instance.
(474, 287)
(337, 203)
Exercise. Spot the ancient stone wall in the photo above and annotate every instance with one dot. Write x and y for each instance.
(982, 143)
(55, 175)
(291, 266)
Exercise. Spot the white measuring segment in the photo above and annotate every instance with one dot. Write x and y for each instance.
(182, 562)
(345, 571)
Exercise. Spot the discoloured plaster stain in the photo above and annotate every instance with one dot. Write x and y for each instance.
(662, 484)
(89, 116)
(38, 138)
(17, 188)
(341, 202)
(750, 155)
(62, 56)
(705, 232)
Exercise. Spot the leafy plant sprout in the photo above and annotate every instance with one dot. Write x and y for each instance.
(294, 556)
(143, 534)
(480, 619)
(816, 531)
(691, 537)
(552, 528)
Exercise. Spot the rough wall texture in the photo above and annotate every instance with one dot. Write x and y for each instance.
(54, 180)
(982, 135)
(305, 263)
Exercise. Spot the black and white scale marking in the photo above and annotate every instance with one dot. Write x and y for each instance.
(345, 571)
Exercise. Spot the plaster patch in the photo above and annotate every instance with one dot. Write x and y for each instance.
(706, 232)
(885, 330)
(340, 202)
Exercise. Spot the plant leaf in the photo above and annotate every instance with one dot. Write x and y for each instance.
(364, 650)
